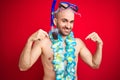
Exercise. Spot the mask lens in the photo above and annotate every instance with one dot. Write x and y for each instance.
(64, 5)
(75, 8)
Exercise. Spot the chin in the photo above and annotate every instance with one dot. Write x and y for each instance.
(65, 34)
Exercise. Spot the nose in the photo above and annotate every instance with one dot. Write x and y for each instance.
(68, 26)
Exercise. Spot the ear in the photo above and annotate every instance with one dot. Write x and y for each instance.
(55, 21)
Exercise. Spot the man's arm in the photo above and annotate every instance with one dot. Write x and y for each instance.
(92, 60)
(32, 50)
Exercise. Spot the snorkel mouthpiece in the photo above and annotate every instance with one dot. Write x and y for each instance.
(55, 33)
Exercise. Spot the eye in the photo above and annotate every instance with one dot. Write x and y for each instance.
(71, 22)
(64, 20)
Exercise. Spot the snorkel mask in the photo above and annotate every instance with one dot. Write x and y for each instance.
(66, 5)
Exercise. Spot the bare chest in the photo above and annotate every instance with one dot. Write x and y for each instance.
(48, 54)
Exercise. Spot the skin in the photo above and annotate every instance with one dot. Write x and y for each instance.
(39, 44)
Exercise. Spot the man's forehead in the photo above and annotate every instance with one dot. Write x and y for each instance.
(67, 13)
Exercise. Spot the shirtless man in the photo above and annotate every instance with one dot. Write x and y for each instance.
(39, 44)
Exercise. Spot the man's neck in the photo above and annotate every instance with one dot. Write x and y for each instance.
(64, 37)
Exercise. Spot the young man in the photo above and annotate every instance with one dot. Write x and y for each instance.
(59, 57)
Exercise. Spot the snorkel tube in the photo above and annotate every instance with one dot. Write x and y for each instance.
(52, 13)
(54, 30)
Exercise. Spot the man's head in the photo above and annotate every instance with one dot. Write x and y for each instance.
(64, 18)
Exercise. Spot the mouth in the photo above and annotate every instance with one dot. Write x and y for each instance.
(67, 30)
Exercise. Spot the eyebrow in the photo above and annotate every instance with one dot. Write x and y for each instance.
(71, 21)
(67, 20)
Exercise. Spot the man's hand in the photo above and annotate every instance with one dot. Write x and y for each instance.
(38, 35)
(95, 37)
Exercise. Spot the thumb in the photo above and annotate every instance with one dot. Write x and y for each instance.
(87, 37)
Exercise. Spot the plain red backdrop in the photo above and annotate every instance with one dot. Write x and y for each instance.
(20, 18)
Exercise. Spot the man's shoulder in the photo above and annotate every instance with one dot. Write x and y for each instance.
(79, 41)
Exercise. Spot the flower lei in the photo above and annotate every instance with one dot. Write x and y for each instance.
(64, 58)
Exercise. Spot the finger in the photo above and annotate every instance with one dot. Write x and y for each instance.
(87, 37)
(90, 35)
(96, 37)
(93, 39)
(40, 36)
(44, 32)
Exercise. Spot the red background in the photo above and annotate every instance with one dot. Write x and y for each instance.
(20, 18)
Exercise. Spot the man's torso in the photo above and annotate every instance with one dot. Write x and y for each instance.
(47, 57)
